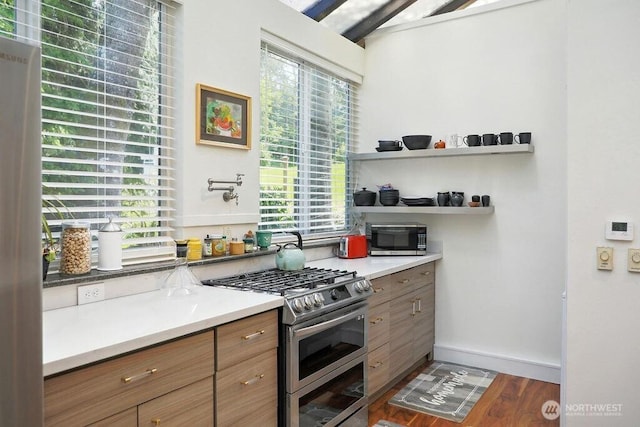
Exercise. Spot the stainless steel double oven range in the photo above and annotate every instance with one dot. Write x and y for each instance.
(323, 343)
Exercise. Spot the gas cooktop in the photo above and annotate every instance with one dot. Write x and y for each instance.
(281, 282)
(308, 292)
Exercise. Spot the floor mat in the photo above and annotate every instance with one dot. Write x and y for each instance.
(445, 390)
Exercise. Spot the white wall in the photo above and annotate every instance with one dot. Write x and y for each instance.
(223, 50)
(499, 285)
(604, 158)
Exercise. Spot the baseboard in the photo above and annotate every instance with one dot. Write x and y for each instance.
(506, 365)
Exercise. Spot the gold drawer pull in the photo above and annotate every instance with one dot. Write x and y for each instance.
(254, 335)
(405, 281)
(377, 365)
(127, 380)
(419, 305)
(376, 321)
(376, 290)
(253, 380)
(426, 273)
(155, 421)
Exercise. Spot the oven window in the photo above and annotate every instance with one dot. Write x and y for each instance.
(320, 350)
(324, 403)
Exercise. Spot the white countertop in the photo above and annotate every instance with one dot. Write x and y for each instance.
(375, 266)
(75, 336)
(82, 334)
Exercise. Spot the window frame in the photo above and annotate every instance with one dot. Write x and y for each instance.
(307, 61)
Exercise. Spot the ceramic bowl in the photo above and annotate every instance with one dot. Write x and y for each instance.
(416, 142)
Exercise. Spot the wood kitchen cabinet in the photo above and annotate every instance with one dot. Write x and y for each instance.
(226, 376)
(247, 371)
(167, 384)
(401, 324)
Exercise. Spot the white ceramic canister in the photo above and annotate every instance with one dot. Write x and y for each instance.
(110, 247)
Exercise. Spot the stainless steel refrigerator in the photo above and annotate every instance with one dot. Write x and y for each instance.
(21, 385)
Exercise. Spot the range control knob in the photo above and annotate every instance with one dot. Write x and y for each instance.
(358, 287)
(333, 294)
(318, 299)
(308, 302)
(297, 305)
(366, 285)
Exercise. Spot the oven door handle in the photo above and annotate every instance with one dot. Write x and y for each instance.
(310, 330)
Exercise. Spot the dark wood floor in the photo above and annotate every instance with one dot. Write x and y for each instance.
(509, 401)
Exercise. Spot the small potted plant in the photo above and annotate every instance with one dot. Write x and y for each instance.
(50, 246)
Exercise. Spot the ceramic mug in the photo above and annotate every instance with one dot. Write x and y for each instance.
(489, 139)
(472, 140)
(506, 138)
(523, 138)
(455, 141)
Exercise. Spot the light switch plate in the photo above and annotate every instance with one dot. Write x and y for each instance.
(633, 260)
(604, 258)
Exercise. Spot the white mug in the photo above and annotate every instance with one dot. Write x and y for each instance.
(455, 141)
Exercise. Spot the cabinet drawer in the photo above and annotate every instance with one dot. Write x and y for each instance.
(381, 291)
(93, 393)
(268, 417)
(246, 386)
(407, 280)
(427, 272)
(378, 368)
(243, 339)
(189, 406)
(379, 319)
(128, 418)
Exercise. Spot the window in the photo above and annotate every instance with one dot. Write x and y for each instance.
(307, 127)
(107, 146)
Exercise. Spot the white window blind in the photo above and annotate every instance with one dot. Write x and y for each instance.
(107, 118)
(308, 125)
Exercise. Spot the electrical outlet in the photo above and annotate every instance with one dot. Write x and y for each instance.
(90, 293)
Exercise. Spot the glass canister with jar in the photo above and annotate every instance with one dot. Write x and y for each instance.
(75, 248)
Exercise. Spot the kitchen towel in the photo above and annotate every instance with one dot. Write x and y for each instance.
(445, 390)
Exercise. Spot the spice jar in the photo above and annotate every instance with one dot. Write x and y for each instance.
(194, 249)
(248, 244)
(208, 246)
(235, 247)
(218, 245)
(75, 248)
(181, 248)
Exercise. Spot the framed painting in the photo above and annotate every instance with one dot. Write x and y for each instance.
(222, 118)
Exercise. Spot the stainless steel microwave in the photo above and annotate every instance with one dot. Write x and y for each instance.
(396, 238)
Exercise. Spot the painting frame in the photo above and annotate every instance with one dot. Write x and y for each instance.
(223, 118)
